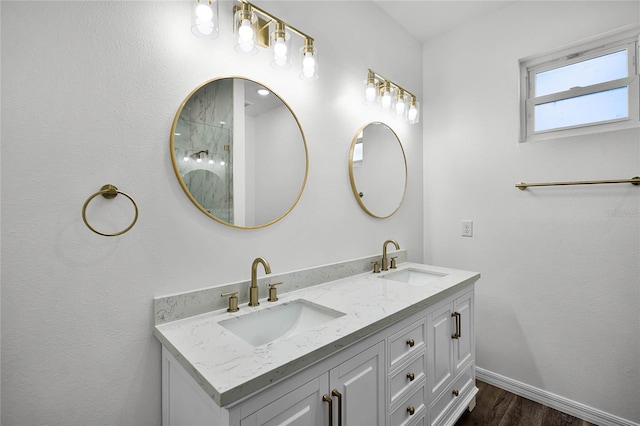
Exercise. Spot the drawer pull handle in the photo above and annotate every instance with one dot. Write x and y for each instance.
(457, 334)
(411, 343)
(326, 398)
(411, 410)
(455, 392)
(339, 395)
(411, 376)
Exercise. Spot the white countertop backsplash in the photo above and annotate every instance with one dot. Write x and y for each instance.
(183, 305)
(229, 369)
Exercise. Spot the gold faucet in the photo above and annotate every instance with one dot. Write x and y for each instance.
(385, 261)
(253, 290)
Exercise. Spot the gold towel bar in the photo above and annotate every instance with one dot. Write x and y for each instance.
(634, 181)
(109, 191)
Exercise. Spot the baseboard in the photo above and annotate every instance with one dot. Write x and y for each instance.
(549, 399)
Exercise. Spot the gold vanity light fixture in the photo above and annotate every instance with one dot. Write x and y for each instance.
(390, 97)
(254, 27)
(204, 19)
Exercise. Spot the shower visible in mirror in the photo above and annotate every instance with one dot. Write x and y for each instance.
(378, 170)
(239, 152)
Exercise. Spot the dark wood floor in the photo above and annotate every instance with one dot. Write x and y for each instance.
(497, 407)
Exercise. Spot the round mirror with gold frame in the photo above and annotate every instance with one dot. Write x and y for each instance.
(378, 170)
(239, 152)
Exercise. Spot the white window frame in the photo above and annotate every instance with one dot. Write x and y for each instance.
(627, 38)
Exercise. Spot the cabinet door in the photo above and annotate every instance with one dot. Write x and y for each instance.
(302, 407)
(463, 346)
(360, 382)
(440, 370)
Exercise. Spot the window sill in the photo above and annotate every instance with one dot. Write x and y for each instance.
(581, 131)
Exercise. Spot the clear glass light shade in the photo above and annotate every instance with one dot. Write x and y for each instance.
(281, 47)
(386, 97)
(308, 61)
(245, 28)
(204, 19)
(413, 113)
(370, 90)
(400, 107)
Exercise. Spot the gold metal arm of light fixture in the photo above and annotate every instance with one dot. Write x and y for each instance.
(374, 74)
(269, 18)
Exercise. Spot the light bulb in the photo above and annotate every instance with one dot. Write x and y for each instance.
(204, 13)
(385, 102)
(280, 52)
(185, 159)
(204, 21)
(413, 113)
(199, 160)
(280, 48)
(308, 65)
(245, 32)
(210, 161)
(400, 107)
(370, 92)
(308, 61)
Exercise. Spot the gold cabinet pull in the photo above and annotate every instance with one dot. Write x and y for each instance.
(411, 377)
(326, 398)
(457, 334)
(411, 410)
(339, 395)
(411, 342)
(455, 392)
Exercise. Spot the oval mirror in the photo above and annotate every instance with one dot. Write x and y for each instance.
(378, 170)
(239, 152)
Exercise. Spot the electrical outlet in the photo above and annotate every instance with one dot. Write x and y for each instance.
(467, 228)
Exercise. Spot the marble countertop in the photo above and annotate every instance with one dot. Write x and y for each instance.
(228, 368)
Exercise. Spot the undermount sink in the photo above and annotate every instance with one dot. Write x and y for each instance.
(278, 322)
(413, 276)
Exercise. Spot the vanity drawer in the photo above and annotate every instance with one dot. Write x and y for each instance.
(406, 342)
(458, 389)
(407, 378)
(402, 415)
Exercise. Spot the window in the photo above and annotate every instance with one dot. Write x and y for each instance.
(586, 89)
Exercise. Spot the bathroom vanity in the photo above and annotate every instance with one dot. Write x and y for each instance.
(392, 348)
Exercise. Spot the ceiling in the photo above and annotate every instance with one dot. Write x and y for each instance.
(426, 19)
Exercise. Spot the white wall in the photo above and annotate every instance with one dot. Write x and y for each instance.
(559, 299)
(89, 93)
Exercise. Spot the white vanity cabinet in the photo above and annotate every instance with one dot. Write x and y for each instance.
(352, 393)
(418, 370)
(451, 374)
(351, 388)
(407, 367)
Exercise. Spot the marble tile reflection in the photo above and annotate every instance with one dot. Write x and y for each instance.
(203, 144)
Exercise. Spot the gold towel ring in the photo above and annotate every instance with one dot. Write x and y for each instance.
(108, 191)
